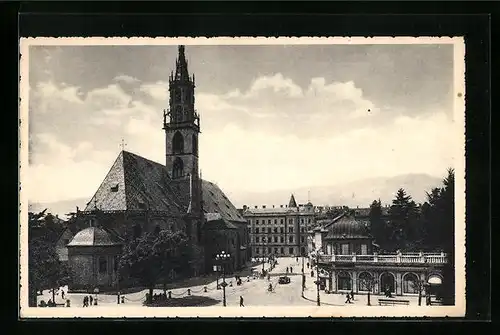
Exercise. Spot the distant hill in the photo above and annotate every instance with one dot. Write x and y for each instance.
(359, 193)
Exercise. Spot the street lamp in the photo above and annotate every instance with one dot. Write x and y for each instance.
(317, 276)
(222, 258)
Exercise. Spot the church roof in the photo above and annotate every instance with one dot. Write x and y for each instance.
(137, 183)
(292, 202)
(93, 236)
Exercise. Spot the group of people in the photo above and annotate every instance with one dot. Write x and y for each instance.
(289, 269)
(349, 297)
(88, 300)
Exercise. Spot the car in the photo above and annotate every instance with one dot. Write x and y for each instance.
(284, 280)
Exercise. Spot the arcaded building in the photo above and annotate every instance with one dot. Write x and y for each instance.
(279, 230)
(348, 260)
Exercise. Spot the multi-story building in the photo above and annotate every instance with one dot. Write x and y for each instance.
(279, 230)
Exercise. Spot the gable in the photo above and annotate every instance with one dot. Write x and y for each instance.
(111, 193)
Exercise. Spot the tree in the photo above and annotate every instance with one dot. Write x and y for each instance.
(402, 220)
(45, 270)
(369, 283)
(377, 224)
(152, 257)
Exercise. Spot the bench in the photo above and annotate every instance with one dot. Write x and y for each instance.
(384, 302)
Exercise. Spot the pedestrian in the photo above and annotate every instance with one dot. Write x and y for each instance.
(287, 269)
(62, 294)
(85, 301)
(241, 301)
(297, 259)
(308, 265)
(91, 299)
(352, 294)
(348, 298)
(291, 269)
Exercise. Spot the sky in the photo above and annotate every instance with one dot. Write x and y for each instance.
(272, 117)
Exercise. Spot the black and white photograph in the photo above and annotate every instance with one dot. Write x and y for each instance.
(283, 177)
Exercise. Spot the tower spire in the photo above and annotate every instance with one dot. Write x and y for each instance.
(181, 70)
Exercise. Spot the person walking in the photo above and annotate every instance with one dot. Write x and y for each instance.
(352, 294)
(62, 294)
(85, 301)
(241, 301)
(91, 299)
(348, 298)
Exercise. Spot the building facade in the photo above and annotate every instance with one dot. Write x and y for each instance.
(279, 231)
(348, 261)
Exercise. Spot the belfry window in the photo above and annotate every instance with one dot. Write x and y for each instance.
(178, 143)
(178, 169)
(194, 142)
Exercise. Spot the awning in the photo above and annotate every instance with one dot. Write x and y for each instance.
(434, 280)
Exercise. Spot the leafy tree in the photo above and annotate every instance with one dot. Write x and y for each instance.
(369, 284)
(152, 257)
(45, 270)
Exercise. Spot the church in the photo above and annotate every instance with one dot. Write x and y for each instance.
(139, 196)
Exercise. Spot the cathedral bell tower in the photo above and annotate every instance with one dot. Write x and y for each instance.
(181, 123)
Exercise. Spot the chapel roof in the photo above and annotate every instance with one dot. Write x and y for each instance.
(92, 237)
(347, 227)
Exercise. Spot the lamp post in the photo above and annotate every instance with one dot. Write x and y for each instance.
(222, 258)
(317, 277)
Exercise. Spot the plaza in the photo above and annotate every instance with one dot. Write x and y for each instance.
(255, 292)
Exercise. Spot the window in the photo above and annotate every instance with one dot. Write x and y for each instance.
(365, 281)
(256, 239)
(103, 265)
(364, 249)
(256, 230)
(282, 250)
(290, 251)
(269, 230)
(263, 239)
(290, 239)
(268, 250)
(275, 230)
(178, 169)
(114, 188)
(281, 221)
(282, 230)
(345, 249)
(302, 239)
(275, 250)
(290, 229)
(301, 220)
(275, 239)
(302, 251)
(269, 221)
(257, 221)
(290, 221)
(309, 221)
(257, 250)
(302, 230)
(282, 239)
(410, 283)
(178, 143)
(344, 281)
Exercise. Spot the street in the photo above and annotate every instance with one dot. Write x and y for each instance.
(255, 292)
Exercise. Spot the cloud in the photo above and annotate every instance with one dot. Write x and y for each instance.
(273, 135)
(158, 90)
(126, 79)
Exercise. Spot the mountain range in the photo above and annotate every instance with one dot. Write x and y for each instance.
(353, 194)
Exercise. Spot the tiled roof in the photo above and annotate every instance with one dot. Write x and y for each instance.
(347, 227)
(276, 210)
(137, 183)
(219, 223)
(93, 236)
(215, 201)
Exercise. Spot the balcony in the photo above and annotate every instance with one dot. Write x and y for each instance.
(423, 258)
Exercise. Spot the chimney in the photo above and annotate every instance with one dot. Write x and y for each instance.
(273, 206)
(263, 206)
(281, 206)
(256, 207)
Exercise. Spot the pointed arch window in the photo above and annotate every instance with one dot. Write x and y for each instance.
(178, 113)
(194, 141)
(178, 143)
(178, 169)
